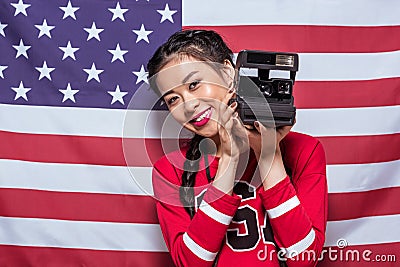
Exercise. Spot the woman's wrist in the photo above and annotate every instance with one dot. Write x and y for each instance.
(272, 169)
(225, 176)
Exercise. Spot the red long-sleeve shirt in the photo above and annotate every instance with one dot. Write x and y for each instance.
(234, 226)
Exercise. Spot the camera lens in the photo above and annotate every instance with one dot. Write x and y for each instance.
(284, 87)
(266, 89)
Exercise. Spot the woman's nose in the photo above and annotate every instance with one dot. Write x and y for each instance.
(191, 104)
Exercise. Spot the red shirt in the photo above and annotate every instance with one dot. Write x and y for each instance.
(234, 226)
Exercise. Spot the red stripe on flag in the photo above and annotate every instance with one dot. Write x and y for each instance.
(29, 203)
(309, 38)
(361, 149)
(144, 152)
(79, 149)
(347, 94)
(63, 257)
(36, 256)
(141, 209)
(362, 204)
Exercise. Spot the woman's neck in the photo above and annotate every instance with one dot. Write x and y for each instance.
(217, 144)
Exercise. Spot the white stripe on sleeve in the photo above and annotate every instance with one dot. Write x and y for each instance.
(300, 246)
(197, 249)
(283, 208)
(215, 214)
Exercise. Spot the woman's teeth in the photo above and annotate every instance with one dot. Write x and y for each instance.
(205, 114)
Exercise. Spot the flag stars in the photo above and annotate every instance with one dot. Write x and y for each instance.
(69, 93)
(93, 32)
(20, 91)
(21, 49)
(20, 7)
(118, 12)
(141, 75)
(2, 68)
(45, 71)
(69, 10)
(2, 27)
(142, 34)
(69, 51)
(44, 29)
(166, 14)
(118, 54)
(117, 95)
(93, 73)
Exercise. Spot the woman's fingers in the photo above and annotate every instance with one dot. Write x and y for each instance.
(261, 128)
(226, 112)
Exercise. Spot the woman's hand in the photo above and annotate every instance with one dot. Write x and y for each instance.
(265, 140)
(233, 141)
(265, 143)
(233, 135)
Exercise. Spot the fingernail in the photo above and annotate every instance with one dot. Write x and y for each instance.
(235, 115)
(256, 124)
(233, 105)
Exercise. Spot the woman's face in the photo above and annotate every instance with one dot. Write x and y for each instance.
(193, 92)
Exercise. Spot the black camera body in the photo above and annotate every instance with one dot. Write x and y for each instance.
(259, 97)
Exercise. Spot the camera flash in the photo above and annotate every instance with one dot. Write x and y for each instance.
(284, 60)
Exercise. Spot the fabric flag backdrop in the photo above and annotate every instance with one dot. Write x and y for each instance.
(68, 69)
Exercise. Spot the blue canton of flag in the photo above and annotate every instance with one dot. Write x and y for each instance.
(80, 53)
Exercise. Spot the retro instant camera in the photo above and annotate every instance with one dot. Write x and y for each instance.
(256, 90)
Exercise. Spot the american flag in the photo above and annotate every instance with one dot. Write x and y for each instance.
(70, 68)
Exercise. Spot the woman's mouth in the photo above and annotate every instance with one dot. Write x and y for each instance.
(202, 118)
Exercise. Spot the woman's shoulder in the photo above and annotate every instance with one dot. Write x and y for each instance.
(300, 143)
(302, 151)
(174, 159)
(300, 139)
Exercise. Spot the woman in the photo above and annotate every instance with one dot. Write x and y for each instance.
(210, 212)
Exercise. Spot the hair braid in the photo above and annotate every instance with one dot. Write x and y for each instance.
(191, 166)
(206, 46)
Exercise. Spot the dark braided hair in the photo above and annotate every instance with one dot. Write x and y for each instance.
(191, 165)
(203, 45)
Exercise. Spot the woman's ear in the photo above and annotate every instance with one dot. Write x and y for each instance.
(229, 73)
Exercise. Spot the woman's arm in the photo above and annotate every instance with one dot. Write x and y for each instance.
(298, 211)
(196, 241)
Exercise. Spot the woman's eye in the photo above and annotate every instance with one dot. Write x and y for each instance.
(193, 84)
(172, 100)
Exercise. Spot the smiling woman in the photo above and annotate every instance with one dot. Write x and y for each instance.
(194, 91)
(261, 189)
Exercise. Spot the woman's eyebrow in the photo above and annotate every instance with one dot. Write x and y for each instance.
(167, 93)
(183, 82)
(188, 76)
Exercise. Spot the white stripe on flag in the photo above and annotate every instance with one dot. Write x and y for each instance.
(342, 178)
(286, 12)
(363, 177)
(80, 234)
(363, 231)
(148, 237)
(346, 66)
(90, 122)
(75, 177)
(348, 121)
(354, 66)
